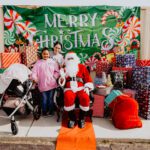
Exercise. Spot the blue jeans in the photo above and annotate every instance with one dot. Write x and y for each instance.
(47, 101)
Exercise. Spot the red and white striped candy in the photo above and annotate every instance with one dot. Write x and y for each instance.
(11, 19)
(132, 27)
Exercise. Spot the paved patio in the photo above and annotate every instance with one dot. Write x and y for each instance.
(48, 127)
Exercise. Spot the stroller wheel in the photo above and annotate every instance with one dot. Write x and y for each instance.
(14, 128)
(36, 112)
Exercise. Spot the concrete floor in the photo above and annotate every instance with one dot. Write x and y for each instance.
(48, 127)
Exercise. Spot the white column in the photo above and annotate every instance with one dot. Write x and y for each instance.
(1, 30)
(145, 33)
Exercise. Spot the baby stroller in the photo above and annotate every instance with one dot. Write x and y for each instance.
(14, 82)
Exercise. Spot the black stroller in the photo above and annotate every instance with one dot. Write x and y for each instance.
(23, 101)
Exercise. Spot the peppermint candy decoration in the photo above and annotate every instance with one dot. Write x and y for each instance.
(109, 13)
(83, 57)
(91, 62)
(9, 38)
(28, 30)
(11, 20)
(132, 27)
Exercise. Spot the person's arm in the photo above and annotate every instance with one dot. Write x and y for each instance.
(88, 86)
(56, 71)
(34, 74)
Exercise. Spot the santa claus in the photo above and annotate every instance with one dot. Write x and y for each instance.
(77, 83)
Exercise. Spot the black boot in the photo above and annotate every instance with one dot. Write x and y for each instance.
(72, 119)
(81, 122)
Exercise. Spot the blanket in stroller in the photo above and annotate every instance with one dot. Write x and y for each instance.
(15, 71)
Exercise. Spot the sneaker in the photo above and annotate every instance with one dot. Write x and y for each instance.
(71, 124)
(81, 123)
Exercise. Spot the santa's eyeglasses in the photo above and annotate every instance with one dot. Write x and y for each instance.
(70, 58)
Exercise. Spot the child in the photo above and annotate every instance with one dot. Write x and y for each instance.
(55, 54)
(45, 72)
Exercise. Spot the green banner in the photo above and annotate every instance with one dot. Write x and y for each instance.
(85, 30)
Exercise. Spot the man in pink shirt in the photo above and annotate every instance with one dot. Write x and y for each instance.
(45, 72)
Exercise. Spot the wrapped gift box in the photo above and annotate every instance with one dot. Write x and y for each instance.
(9, 58)
(143, 63)
(127, 75)
(102, 66)
(103, 91)
(112, 96)
(29, 56)
(98, 106)
(140, 75)
(126, 60)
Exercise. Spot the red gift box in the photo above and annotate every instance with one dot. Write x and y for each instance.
(98, 106)
(101, 66)
(143, 63)
(9, 58)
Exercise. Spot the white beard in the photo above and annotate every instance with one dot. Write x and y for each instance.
(72, 68)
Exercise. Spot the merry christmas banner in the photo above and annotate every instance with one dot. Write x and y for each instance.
(104, 30)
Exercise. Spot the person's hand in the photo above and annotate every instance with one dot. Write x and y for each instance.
(61, 81)
(86, 90)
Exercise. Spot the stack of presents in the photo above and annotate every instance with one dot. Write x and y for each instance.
(26, 55)
(128, 76)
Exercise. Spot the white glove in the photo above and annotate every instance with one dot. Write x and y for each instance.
(86, 90)
(61, 81)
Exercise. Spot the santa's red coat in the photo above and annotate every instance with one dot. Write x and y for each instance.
(70, 95)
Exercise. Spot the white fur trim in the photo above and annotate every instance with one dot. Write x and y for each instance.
(89, 85)
(84, 108)
(78, 89)
(69, 108)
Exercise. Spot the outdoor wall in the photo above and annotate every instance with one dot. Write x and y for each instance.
(145, 30)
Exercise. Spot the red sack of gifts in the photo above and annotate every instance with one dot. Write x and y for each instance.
(125, 112)
(143, 63)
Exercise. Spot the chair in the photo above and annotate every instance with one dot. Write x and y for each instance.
(59, 102)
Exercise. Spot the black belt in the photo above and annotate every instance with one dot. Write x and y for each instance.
(75, 79)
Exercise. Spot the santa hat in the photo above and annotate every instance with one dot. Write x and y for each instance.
(73, 55)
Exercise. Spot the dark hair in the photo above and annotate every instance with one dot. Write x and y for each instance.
(56, 43)
(44, 49)
(40, 54)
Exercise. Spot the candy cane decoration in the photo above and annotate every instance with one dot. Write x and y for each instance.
(109, 43)
(97, 53)
(135, 40)
(109, 13)
(123, 9)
